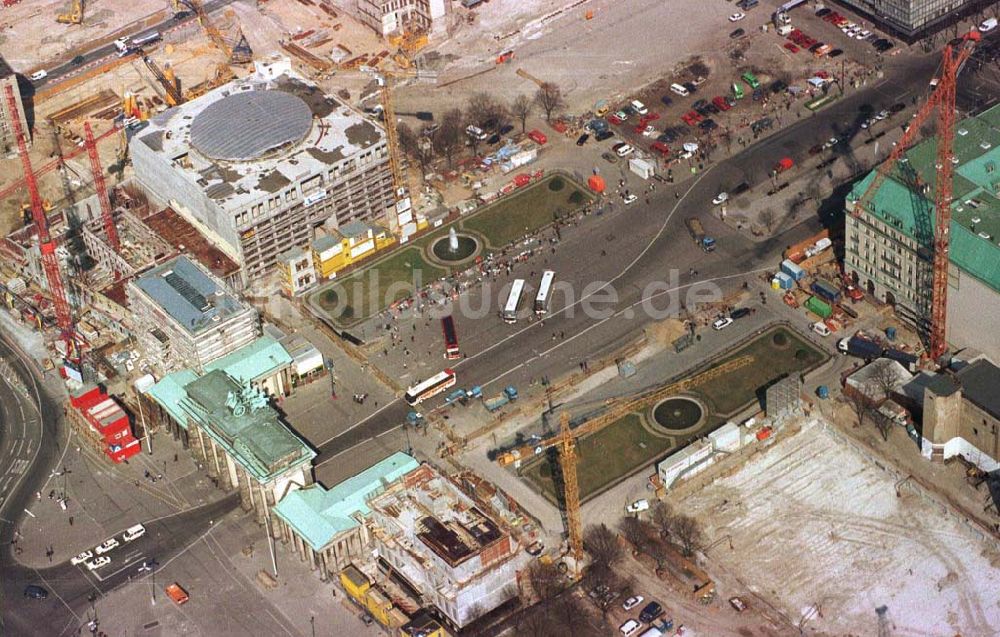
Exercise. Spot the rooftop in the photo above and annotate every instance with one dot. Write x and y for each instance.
(433, 510)
(905, 199)
(981, 385)
(318, 514)
(254, 136)
(189, 295)
(261, 358)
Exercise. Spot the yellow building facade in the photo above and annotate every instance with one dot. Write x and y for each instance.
(348, 245)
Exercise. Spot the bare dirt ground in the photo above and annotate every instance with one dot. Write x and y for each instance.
(818, 531)
(35, 22)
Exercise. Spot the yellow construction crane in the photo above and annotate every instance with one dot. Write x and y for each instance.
(166, 80)
(392, 136)
(238, 54)
(565, 443)
(75, 15)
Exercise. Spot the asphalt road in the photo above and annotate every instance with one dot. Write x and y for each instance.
(29, 450)
(498, 354)
(59, 72)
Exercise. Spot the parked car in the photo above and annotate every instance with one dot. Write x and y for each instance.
(736, 17)
(98, 562)
(604, 134)
(667, 100)
(637, 506)
(582, 139)
(823, 12)
(632, 602)
(535, 549)
(739, 313)
(622, 149)
(691, 87)
(629, 628)
(836, 53)
(77, 61)
(741, 188)
(622, 114)
(722, 323)
(708, 125)
(721, 198)
(107, 545)
(629, 198)
(791, 47)
(39, 75)
(738, 604)
(737, 34)
(81, 558)
(614, 119)
(778, 86)
(610, 158)
(650, 612)
(660, 147)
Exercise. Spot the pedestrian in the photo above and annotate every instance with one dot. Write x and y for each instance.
(562, 335)
(677, 195)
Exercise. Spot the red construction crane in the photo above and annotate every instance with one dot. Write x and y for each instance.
(943, 98)
(47, 247)
(55, 163)
(102, 191)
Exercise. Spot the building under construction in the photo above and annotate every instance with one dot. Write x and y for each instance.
(8, 140)
(387, 17)
(260, 162)
(889, 247)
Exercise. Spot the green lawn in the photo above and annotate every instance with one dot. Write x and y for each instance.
(518, 214)
(604, 457)
(732, 391)
(374, 288)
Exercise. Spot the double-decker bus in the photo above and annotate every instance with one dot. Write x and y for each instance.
(509, 313)
(451, 350)
(542, 298)
(430, 387)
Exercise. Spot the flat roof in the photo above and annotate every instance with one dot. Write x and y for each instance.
(318, 514)
(237, 168)
(192, 297)
(981, 385)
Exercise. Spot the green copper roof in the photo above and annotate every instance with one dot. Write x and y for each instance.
(318, 514)
(905, 199)
(237, 417)
(261, 358)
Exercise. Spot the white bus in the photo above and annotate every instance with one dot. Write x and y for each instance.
(542, 298)
(513, 300)
(430, 387)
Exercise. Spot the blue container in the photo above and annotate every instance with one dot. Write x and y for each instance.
(790, 268)
(823, 392)
(890, 333)
(784, 280)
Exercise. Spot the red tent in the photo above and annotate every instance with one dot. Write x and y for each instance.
(784, 164)
(522, 180)
(596, 183)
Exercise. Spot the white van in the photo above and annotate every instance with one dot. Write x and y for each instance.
(639, 107)
(680, 90)
(988, 25)
(134, 532)
(784, 29)
(476, 133)
(629, 628)
(39, 75)
(820, 328)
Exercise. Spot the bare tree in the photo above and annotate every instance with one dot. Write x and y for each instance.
(859, 403)
(602, 544)
(521, 108)
(636, 532)
(484, 111)
(550, 98)
(883, 376)
(768, 218)
(448, 137)
(410, 144)
(545, 579)
(663, 518)
(689, 533)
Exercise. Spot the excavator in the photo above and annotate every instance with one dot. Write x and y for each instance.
(75, 15)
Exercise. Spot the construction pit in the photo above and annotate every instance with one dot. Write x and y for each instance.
(838, 541)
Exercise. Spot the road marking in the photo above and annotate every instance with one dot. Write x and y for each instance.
(628, 267)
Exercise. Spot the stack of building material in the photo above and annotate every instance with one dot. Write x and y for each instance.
(108, 423)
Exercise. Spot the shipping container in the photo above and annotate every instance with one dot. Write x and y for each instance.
(818, 307)
(641, 167)
(827, 290)
(785, 282)
(792, 269)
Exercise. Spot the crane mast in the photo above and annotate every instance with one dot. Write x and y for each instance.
(102, 191)
(47, 247)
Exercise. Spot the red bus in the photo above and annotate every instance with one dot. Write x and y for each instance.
(451, 350)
